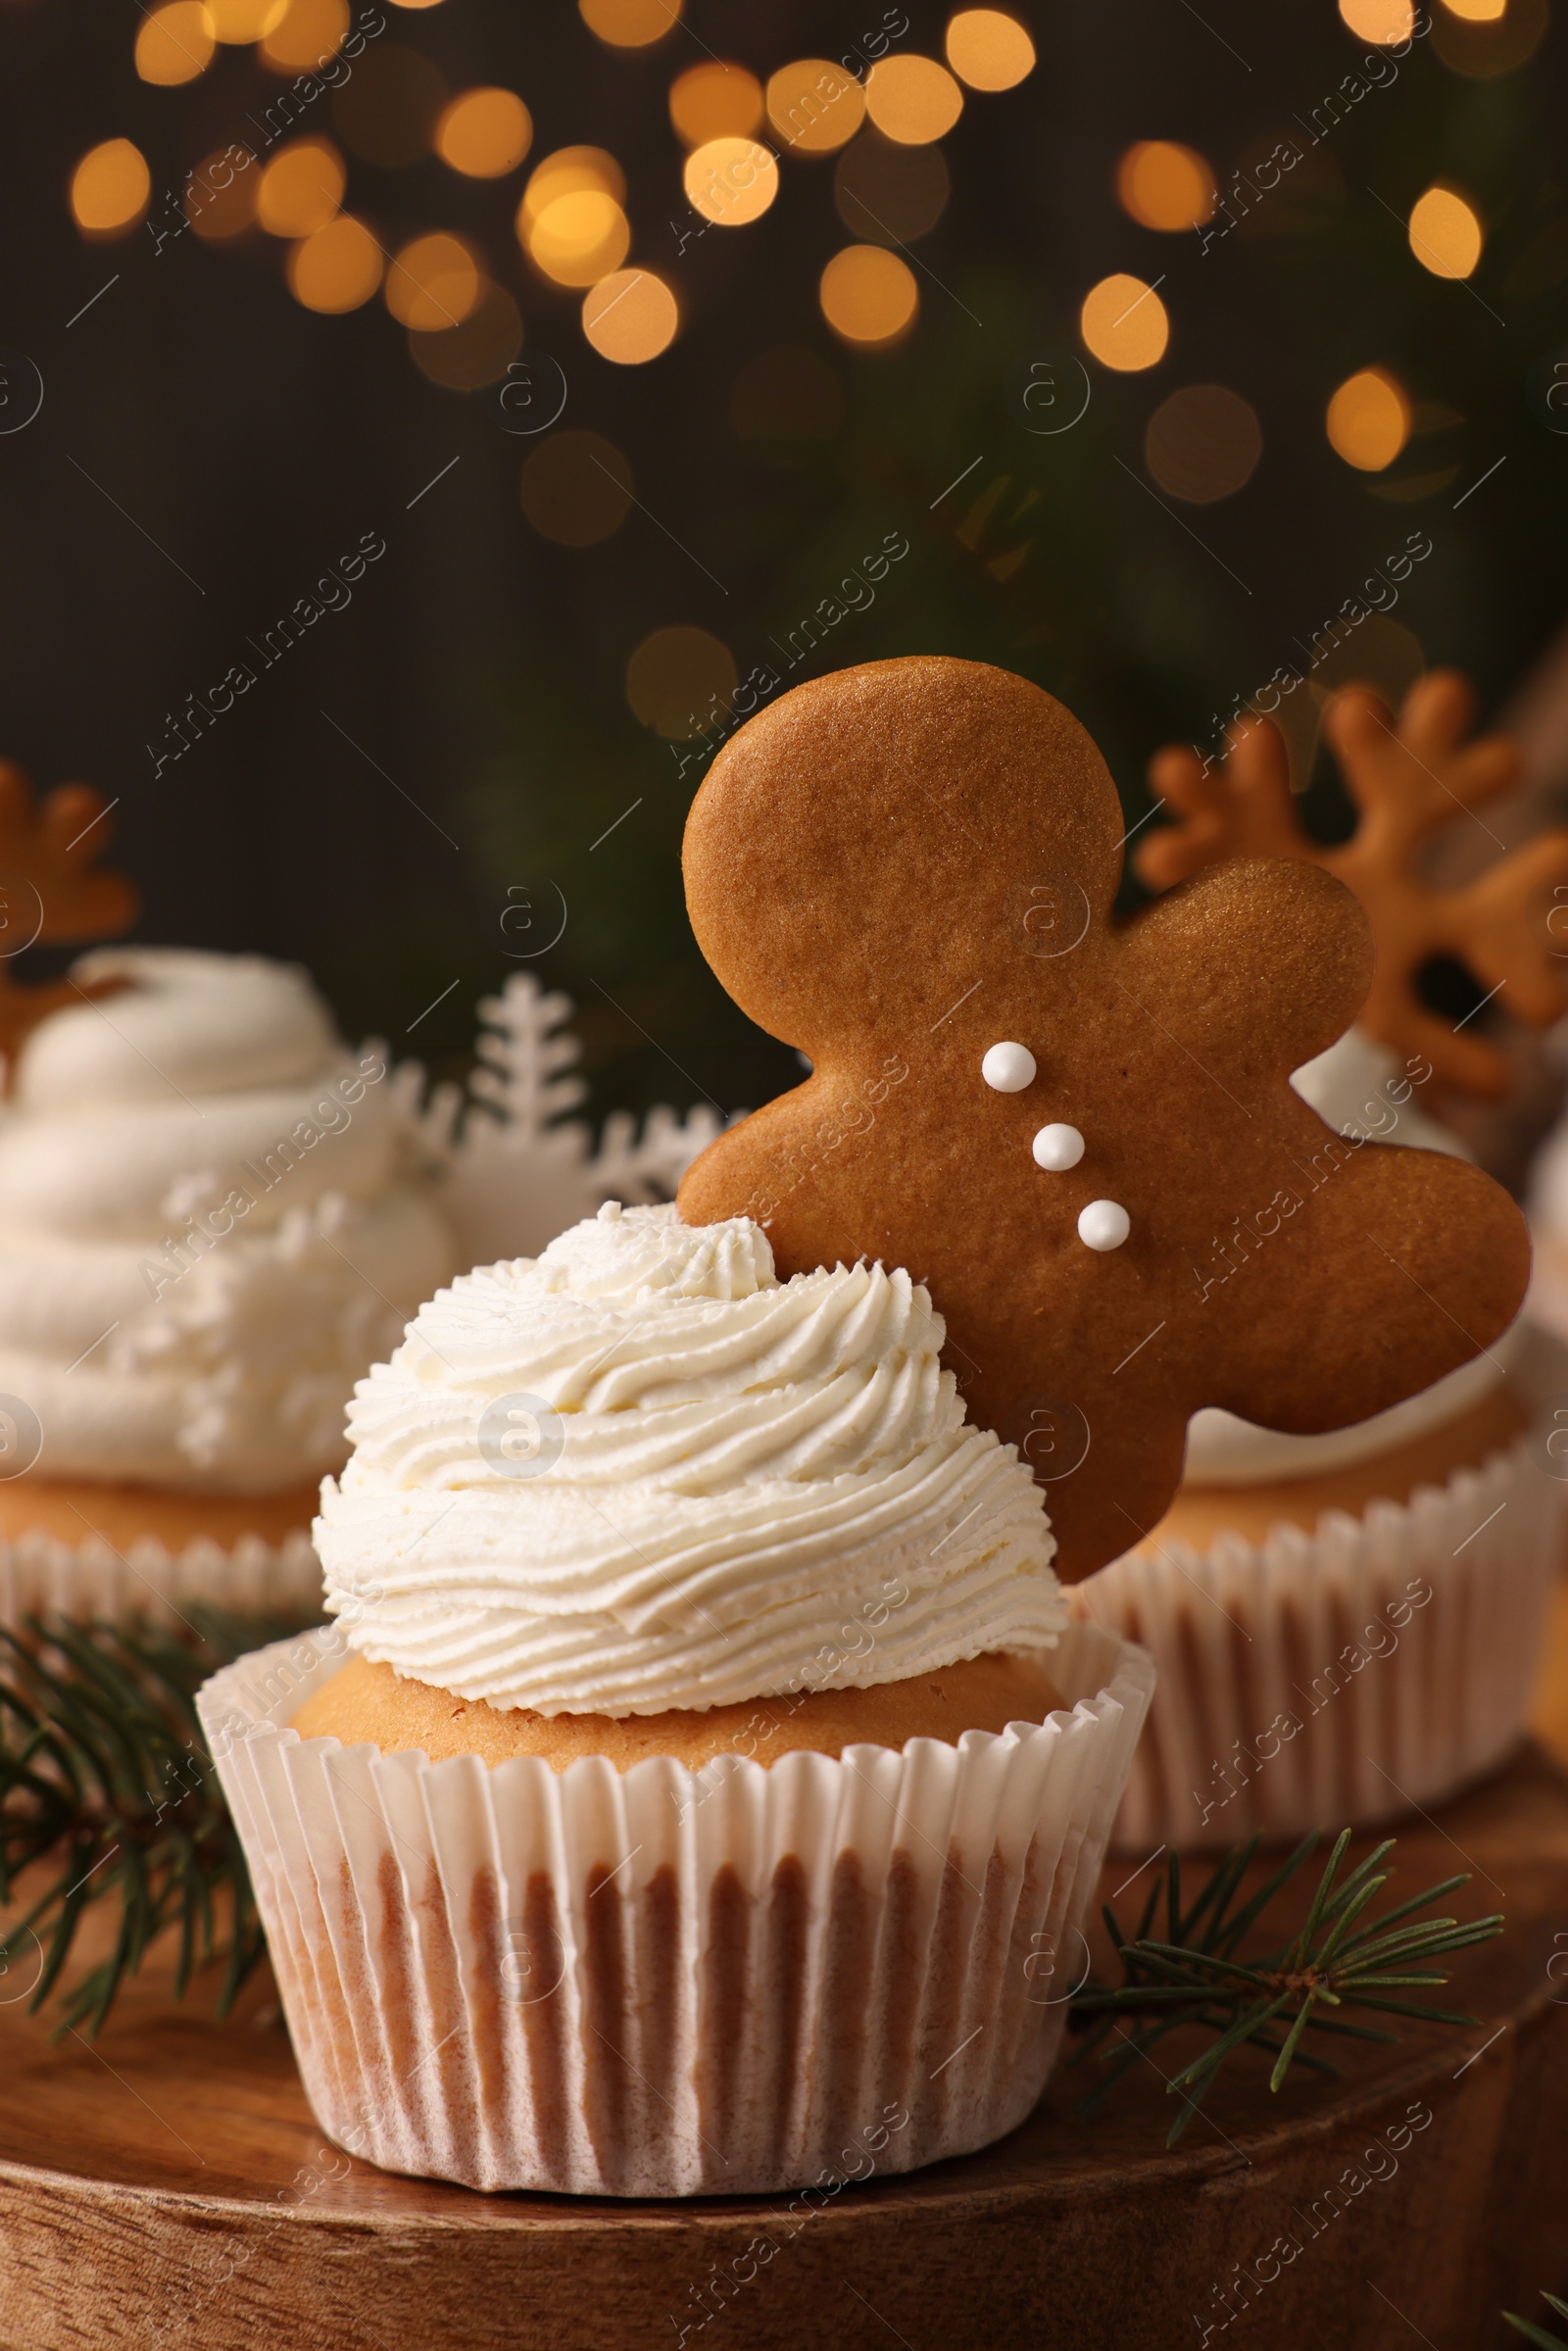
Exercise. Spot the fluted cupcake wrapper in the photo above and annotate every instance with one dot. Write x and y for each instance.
(40, 1575)
(671, 1983)
(1341, 1677)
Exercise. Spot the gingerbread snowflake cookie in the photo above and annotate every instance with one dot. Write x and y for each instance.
(52, 889)
(1079, 1133)
(1411, 777)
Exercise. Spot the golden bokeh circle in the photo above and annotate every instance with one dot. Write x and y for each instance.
(715, 101)
(110, 187)
(730, 181)
(1124, 324)
(484, 134)
(300, 188)
(1203, 443)
(1379, 21)
(868, 296)
(913, 99)
(1165, 185)
(814, 107)
(478, 350)
(987, 49)
(337, 268)
(433, 283)
(235, 21)
(1445, 233)
(577, 488)
(676, 677)
(630, 24)
(566, 172)
(1477, 12)
(579, 239)
(1368, 420)
(1482, 45)
(630, 317)
(174, 44)
(308, 34)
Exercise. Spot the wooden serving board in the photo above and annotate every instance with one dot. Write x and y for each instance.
(167, 2187)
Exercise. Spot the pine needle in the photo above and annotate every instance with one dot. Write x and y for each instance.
(106, 1783)
(1340, 1957)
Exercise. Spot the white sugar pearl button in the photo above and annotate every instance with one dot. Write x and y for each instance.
(1057, 1148)
(1104, 1224)
(1008, 1068)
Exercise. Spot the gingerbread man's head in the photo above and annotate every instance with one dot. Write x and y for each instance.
(1080, 1134)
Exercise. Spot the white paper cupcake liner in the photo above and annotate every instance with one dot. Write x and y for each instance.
(42, 1576)
(668, 1982)
(1341, 1677)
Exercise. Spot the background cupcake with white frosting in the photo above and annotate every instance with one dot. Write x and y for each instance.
(1346, 1626)
(213, 1217)
(727, 1762)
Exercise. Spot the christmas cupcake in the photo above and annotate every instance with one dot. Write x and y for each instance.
(726, 1787)
(211, 1222)
(727, 1781)
(1349, 1624)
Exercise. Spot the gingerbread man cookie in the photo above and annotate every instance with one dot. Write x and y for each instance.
(1080, 1134)
(1410, 777)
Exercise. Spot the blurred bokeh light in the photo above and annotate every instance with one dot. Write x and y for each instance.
(889, 194)
(812, 106)
(433, 283)
(1381, 21)
(1445, 233)
(868, 295)
(337, 268)
(579, 239)
(987, 49)
(674, 679)
(1166, 186)
(239, 21)
(577, 488)
(630, 24)
(1123, 323)
(305, 35)
(174, 44)
(630, 317)
(484, 134)
(477, 350)
(110, 188)
(1203, 443)
(913, 99)
(714, 102)
(300, 188)
(1368, 420)
(730, 181)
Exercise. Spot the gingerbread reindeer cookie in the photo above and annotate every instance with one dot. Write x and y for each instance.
(1410, 777)
(52, 889)
(1080, 1134)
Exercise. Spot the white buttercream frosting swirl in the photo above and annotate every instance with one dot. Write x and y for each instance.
(724, 1485)
(209, 1224)
(1358, 1088)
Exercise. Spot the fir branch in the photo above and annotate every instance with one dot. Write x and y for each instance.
(1537, 2334)
(108, 1794)
(1340, 1957)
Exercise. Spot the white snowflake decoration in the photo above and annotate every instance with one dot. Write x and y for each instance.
(521, 1170)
